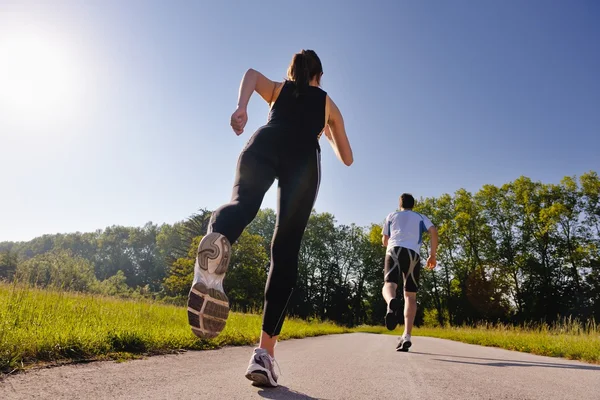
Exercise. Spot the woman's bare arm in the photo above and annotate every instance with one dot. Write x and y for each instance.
(253, 81)
(335, 131)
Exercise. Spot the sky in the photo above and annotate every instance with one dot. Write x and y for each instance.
(117, 112)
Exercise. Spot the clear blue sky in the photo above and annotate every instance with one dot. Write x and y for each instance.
(128, 120)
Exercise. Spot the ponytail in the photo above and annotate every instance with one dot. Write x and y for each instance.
(304, 66)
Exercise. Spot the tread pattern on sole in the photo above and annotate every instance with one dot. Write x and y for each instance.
(391, 321)
(207, 311)
(404, 346)
(208, 307)
(210, 249)
(259, 378)
(391, 318)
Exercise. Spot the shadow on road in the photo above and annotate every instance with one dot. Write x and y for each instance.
(509, 363)
(282, 392)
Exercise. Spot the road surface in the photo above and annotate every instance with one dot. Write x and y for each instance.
(351, 366)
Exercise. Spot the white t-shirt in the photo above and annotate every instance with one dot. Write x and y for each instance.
(405, 229)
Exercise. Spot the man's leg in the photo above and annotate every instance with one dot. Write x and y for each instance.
(411, 269)
(391, 277)
(410, 310)
(389, 291)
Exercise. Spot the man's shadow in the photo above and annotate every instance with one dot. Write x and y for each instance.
(285, 393)
(508, 363)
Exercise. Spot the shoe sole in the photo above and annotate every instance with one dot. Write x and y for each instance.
(405, 346)
(259, 378)
(391, 319)
(208, 306)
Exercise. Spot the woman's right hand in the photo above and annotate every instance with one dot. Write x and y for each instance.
(238, 120)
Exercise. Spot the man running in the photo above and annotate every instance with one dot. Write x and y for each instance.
(402, 235)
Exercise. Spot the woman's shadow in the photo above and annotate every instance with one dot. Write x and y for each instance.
(283, 392)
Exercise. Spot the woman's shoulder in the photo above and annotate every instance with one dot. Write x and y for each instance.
(315, 89)
(320, 90)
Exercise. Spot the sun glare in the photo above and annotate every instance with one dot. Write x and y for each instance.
(39, 80)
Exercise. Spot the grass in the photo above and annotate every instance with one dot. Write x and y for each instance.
(569, 339)
(38, 326)
(45, 326)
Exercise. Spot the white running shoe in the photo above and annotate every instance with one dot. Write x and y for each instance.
(261, 370)
(208, 306)
(404, 343)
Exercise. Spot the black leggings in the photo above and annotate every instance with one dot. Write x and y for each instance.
(299, 176)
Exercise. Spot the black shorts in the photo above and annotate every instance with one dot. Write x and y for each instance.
(409, 262)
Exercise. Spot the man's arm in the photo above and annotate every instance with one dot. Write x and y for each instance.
(431, 261)
(385, 231)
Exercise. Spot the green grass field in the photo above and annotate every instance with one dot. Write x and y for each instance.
(38, 326)
(568, 339)
(48, 326)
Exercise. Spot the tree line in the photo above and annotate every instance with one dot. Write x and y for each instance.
(524, 251)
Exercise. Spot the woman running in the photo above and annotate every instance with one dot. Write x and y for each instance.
(286, 148)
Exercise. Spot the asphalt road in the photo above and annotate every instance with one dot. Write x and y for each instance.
(352, 366)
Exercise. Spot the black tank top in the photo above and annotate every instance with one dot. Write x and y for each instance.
(301, 118)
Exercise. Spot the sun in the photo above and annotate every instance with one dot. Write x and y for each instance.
(38, 78)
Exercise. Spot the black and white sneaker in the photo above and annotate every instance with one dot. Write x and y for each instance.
(208, 306)
(391, 318)
(261, 369)
(404, 343)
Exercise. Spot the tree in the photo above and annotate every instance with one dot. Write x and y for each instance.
(169, 240)
(58, 269)
(522, 251)
(8, 264)
(181, 273)
(263, 225)
(314, 267)
(145, 257)
(245, 281)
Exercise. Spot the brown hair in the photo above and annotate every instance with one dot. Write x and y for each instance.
(305, 66)
(407, 201)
